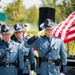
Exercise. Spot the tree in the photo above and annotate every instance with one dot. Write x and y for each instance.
(66, 8)
(32, 15)
(18, 13)
(15, 11)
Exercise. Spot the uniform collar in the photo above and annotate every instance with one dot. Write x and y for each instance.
(7, 43)
(19, 41)
(47, 37)
(53, 39)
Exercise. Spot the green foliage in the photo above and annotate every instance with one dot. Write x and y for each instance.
(70, 48)
(66, 8)
(15, 11)
(18, 13)
(32, 15)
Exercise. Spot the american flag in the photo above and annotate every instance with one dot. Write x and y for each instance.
(66, 29)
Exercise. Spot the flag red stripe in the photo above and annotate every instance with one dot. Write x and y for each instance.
(67, 26)
(62, 25)
(66, 29)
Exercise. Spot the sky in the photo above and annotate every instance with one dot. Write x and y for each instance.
(27, 3)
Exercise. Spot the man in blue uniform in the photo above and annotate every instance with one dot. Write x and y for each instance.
(10, 53)
(28, 53)
(49, 49)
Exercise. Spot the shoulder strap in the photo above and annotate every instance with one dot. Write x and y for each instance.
(5, 54)
(49, 47)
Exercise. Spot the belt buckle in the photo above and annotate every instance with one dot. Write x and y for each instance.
(49, 60)
(7, 64)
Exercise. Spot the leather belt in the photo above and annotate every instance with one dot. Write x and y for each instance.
(7, 63)
(47, 60)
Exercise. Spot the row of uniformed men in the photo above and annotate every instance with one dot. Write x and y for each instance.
(15, 58)
(48, 46)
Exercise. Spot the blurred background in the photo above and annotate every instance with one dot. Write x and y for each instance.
(27, 12)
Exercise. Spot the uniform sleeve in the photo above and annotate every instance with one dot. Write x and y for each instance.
(63, 55)
(32, 59)
(31, 40)
(30, 43)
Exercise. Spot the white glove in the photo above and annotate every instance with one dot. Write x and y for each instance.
(31, 72)
(62, 74)
(39, 33)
